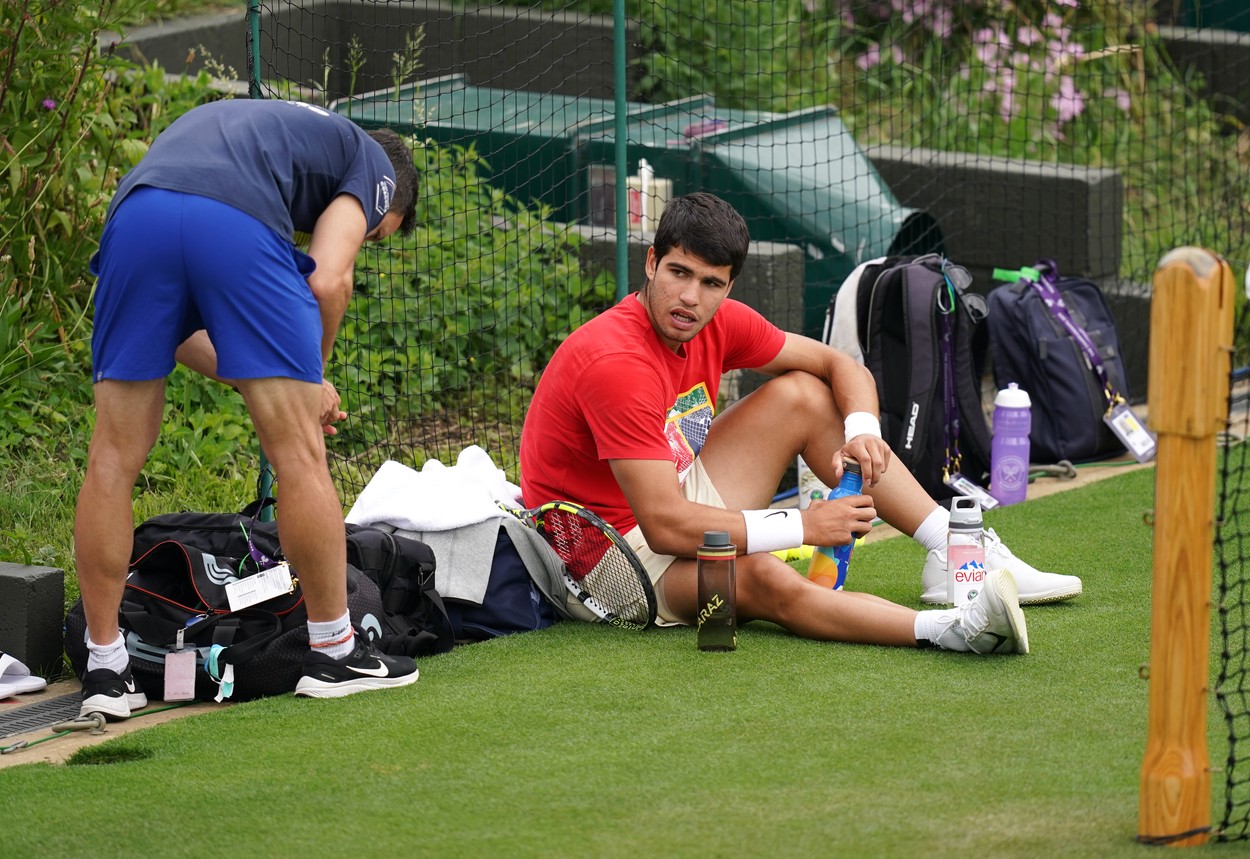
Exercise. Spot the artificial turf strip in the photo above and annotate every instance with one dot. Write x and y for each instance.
(591, 741)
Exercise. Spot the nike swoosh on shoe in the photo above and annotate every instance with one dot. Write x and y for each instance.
(379, 670)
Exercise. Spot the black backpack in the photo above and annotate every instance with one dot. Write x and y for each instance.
(417, 621)
(1032, 348)
(900, 326)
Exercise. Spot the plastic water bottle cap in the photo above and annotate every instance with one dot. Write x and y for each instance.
(716, 538)
(1013, 397)
(965, 514)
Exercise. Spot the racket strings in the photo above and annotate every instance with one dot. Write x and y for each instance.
(596, 564)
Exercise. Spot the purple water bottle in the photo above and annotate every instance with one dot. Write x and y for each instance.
(1009, 453)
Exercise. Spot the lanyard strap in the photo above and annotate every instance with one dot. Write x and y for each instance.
(946, 346)
(1046, 289)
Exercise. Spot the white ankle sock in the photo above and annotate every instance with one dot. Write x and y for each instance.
(932, 531)
(334, 638)
(940, 628)
(111, 656)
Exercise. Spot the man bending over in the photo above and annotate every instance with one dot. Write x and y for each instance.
(199, 238)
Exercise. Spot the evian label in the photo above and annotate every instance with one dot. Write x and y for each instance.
(965, 572)
(911, 425)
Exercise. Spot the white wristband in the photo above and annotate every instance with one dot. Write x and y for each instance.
(862, 423)
(773, 530)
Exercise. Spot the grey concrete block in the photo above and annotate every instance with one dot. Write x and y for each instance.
(1130, 306)
(1001, 212)
(493, 46)
(32, 611)
(1221, 58)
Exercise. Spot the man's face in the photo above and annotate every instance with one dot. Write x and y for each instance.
(390, 223)
(682, 294)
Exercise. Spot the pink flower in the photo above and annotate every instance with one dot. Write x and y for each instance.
(1122, 98)
(1068, 102)
(49, 104)
(1028, 36)
(870, 57)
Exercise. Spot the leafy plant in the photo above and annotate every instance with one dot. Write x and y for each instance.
(72, 120)
(463, 314)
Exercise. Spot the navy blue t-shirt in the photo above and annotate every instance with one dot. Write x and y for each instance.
(282, 162)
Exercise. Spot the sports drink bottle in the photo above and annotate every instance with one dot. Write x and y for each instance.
(829, 564)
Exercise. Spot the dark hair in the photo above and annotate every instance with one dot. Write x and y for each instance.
(407, 181)
(706, 226)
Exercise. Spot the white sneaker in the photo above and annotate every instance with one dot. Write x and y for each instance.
(1034, 585)
(991, 623)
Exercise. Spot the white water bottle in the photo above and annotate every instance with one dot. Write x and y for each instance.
(965, 551)
(810, 486)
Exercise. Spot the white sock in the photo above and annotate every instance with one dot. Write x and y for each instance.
(932, 531)
(940, 628)
(334, 638)
(111, 656)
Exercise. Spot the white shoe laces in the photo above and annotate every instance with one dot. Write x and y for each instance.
(994, 543)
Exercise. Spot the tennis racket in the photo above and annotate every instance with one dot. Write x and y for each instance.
(601, 570)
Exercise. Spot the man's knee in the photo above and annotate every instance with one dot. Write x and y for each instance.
(797, 393)
(768, 586)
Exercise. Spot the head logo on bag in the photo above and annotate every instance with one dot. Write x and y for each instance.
(916, 325)
(217, 573)
(371, 626)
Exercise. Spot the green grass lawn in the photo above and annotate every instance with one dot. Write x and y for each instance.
(590, 741)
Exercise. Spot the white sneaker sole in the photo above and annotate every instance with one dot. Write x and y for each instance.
(1006, 587)
(310, 687)
(115, 709)
(940, 597)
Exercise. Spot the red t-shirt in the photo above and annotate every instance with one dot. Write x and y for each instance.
(613, 390)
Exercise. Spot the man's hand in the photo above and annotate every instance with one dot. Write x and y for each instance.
(872, 454)
(330, 411)
(837, 522)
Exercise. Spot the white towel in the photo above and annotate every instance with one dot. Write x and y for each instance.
(438, 497)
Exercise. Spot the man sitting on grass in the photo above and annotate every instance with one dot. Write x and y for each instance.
(621, 422)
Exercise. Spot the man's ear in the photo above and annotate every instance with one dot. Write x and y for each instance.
(652, 262)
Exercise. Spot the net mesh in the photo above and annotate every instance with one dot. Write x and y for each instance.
(1232, 588)
(1099, 133)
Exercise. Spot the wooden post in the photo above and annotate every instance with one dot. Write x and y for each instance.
(1191, 322)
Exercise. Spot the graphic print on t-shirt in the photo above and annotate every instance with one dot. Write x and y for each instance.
(687, 425)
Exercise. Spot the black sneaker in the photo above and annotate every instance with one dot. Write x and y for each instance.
(114, 695)
(363, 669)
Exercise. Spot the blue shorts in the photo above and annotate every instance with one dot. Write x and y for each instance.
(170, 264)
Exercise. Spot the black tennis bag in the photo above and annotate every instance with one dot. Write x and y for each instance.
(176, 586)
(415, 620)
(923, 337)
(1033, 348)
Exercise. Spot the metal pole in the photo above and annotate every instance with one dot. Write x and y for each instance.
(622, 167)
(253, 49)
(264, 481)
